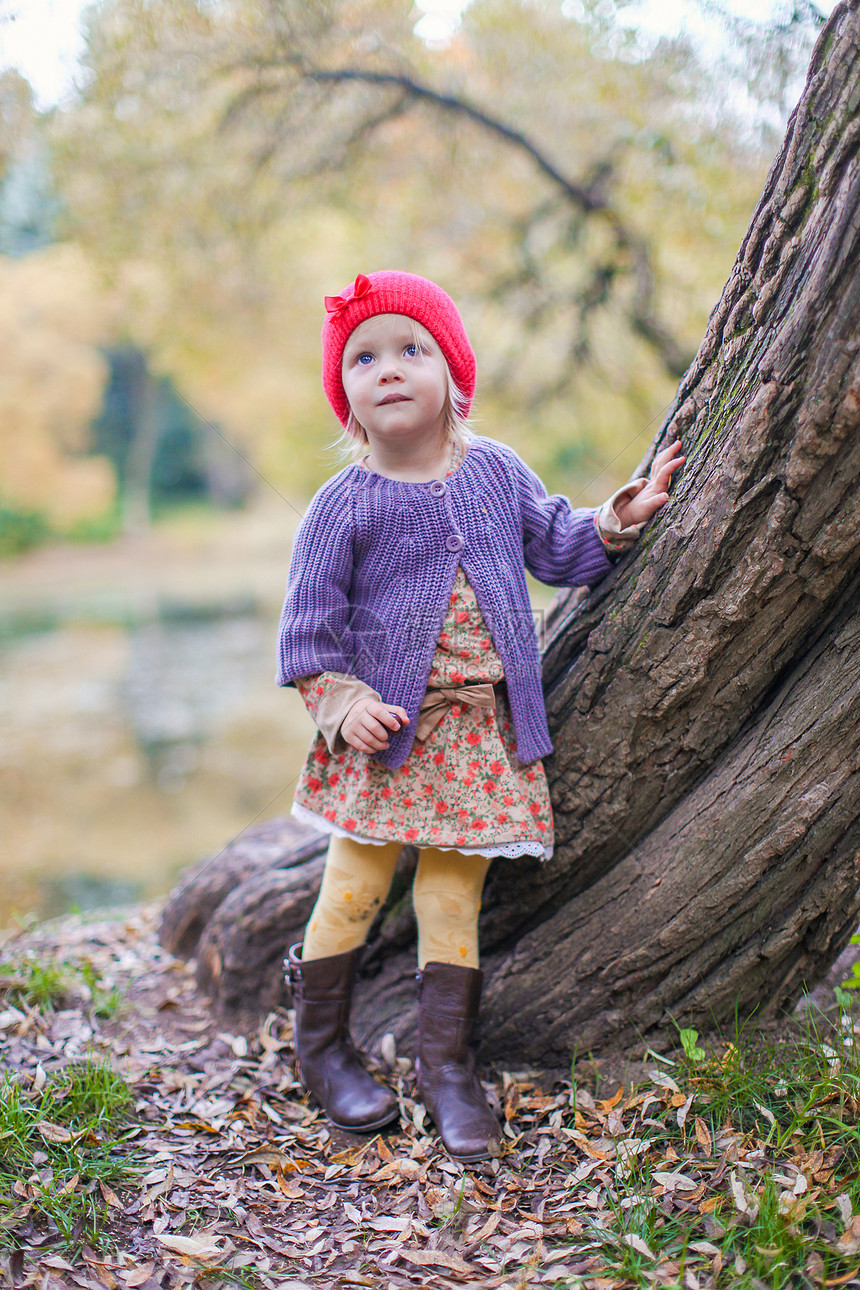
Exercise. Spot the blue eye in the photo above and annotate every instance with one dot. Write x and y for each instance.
(411, 350)
(362, 357)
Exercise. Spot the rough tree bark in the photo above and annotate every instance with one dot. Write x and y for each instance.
(704, 701)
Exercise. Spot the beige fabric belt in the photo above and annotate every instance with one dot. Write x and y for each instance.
(437, 701)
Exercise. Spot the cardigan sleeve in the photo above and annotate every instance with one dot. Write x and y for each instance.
(315, 633)
(561, 544)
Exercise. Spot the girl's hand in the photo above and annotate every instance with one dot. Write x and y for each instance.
(364, 726)
(654, 495)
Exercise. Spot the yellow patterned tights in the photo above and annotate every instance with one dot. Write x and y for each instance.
(356, 879)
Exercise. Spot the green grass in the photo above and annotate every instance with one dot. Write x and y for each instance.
(39, 985)
(794, 1104)
(105, 1002)
(852, 982)
(802, 1088)
(44, 986)
(21, 530)
(217, 1278)
(61, 1137)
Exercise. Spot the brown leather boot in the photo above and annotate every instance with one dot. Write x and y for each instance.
(330, 1065)
(449, 997)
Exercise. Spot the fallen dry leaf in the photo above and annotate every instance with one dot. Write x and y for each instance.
(849, 1242)
(703, 1136)
(636, 1243)
(683, 1110)
(237, 1152)
(672, 1180)
(54, 1132)
(435, 1259)
(844, 1279)
(204, 1248)
(139, 1276)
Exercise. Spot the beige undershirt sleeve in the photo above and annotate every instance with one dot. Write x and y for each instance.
(615, 537)
(332, 708)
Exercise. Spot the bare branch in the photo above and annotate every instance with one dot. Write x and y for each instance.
(583, 197)
(589, 199)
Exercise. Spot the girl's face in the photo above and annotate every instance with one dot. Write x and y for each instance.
(395, 378)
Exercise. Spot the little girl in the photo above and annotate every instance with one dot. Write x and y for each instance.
(408, 630)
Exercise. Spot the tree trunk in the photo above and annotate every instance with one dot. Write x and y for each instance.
(137, 482)
(704, 701)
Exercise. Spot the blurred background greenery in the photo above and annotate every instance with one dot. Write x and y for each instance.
(577, 173)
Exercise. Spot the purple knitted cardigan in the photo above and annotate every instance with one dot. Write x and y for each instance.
(374, 563)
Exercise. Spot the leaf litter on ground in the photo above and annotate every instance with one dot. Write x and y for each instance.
(680, 1175)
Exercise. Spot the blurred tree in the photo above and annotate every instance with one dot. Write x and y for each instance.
(17, 111)
(155, 442)
(28, 203)
(580, 197)
(51, 316)
(161, 452)
(52, 375)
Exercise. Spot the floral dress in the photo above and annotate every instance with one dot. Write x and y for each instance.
(461, 788)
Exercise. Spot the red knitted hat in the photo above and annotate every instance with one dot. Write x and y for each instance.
(389, 292)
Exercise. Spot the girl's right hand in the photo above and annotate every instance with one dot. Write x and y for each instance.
(367, 723)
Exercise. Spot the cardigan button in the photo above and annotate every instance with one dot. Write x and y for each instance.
(438, 487)
(454, 542)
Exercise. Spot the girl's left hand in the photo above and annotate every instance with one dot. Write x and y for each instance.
(654, 495)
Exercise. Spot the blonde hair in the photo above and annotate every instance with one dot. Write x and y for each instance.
(352, 443)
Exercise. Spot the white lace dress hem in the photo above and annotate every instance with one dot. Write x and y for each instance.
(528, 847)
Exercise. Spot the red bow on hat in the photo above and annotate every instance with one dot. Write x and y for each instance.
(334, 304)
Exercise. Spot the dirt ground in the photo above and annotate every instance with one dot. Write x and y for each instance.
(241, 1182)
(241, 1174)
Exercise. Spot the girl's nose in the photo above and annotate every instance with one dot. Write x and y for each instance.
(388, 373)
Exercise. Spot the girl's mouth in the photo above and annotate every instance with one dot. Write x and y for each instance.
(394, 398)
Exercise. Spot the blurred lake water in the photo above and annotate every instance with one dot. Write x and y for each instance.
(140, 726)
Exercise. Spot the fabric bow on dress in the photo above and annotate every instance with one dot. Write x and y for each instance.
(437, 701)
